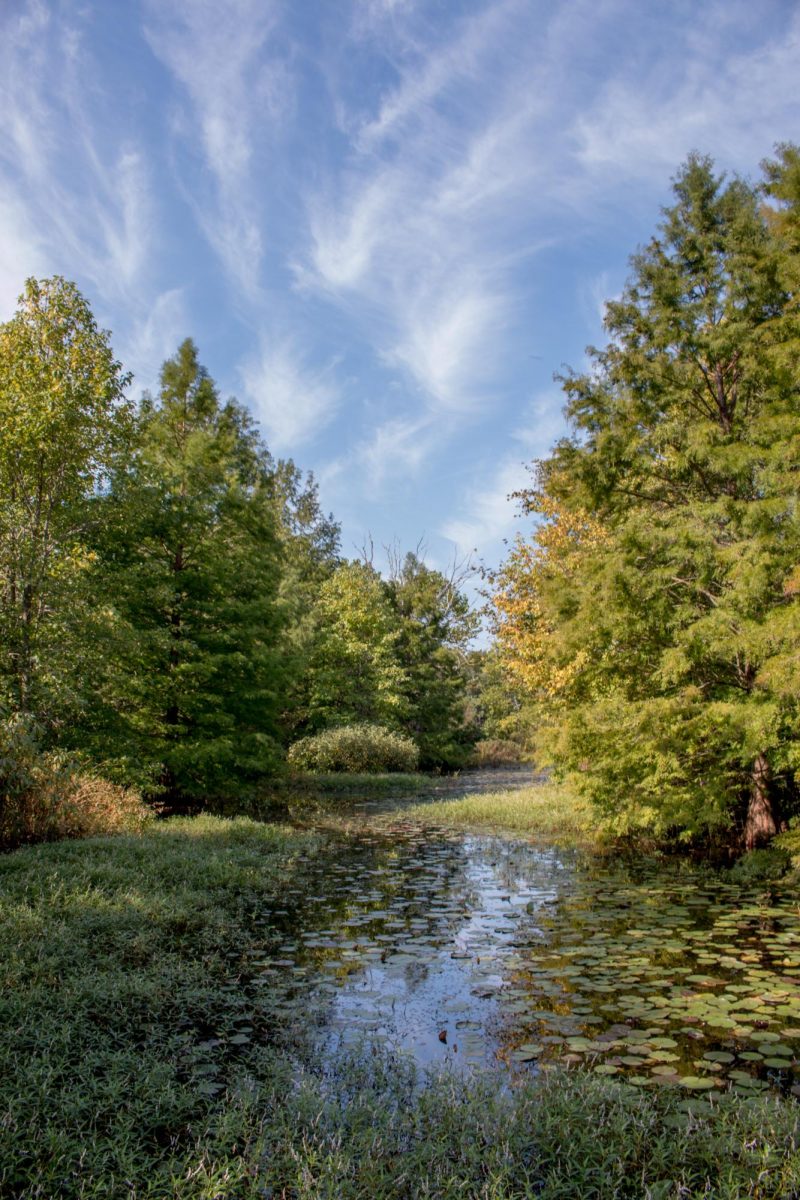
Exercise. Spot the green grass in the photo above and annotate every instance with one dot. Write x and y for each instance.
(372, 1133)
(136, 1060)
(365, 786)
(546, 810)
(119, 964)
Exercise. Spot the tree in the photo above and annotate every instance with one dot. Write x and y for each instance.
(435, 627)
(65, 422)
(654, 616)
(193, 558)
(354, 671)
(310, 554)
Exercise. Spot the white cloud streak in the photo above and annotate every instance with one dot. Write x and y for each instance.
(702, 99)
(292, 398)
(486, 512)
(155, 335)
(415, 239)
(102, 219)
(218, 56)
(488, 137)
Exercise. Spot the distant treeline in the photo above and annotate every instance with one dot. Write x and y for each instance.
(174, 608)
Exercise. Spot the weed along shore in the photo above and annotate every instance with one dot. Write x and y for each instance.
(394, 999)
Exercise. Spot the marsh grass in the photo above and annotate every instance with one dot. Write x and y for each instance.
(119, 996)
(545, 810)
(136, 1061)
(371, 1133)
(355, 785)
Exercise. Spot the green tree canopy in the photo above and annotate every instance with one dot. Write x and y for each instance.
(354, 671)
(654, 617)
(193, 556)
(65, 422)
(435, 627)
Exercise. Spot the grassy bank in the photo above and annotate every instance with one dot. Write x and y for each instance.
(122, 1017)
(138, 1060)
(372, 1133)
(360, 786)
(545, 810)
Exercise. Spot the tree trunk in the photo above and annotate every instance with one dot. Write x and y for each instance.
(761, 823)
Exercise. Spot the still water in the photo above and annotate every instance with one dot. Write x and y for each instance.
(483, 950)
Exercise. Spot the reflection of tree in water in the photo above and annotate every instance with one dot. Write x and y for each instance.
(635, 968)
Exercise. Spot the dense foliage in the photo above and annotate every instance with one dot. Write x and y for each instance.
(173, 605)
(652, 618)
(355, 748)
(394, 652)
(191, 563)
(65, 423)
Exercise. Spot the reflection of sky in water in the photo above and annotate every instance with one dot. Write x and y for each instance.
(467, 949)
(446, 978)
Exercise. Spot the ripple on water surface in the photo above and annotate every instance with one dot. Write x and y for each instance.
(479, 950)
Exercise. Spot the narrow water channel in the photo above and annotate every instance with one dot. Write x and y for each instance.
(485, 950)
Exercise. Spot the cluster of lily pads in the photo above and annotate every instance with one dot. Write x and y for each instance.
(674, 978)
(662, 974)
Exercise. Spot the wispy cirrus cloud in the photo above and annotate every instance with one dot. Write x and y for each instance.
(485, 507)
(492, 142)
(238, 88)
(220, 59)
(21, 251)
(703, 97)
(458, 60)
(293, 398)
(415, 238)
(70, 197)
(154, 335)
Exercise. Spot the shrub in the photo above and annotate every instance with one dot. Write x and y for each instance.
(496, 752)
(95, 807)
(358, 748)
(760, 866)
(44, 798)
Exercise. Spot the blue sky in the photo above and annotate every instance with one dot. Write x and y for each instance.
(386, 223)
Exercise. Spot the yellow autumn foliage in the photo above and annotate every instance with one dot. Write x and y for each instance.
(539, 661)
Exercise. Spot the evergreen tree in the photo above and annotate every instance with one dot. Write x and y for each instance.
(193, 557)
(654, 616)
(435, 626)
(310, 545)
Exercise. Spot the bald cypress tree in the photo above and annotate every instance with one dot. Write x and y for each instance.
(191, 696)
(656, 613)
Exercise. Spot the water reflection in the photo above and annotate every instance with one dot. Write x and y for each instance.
(476, 950)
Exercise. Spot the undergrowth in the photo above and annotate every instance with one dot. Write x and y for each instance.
(139, 1060)
(545, 810)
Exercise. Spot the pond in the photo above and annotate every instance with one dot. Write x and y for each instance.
(485, 950)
